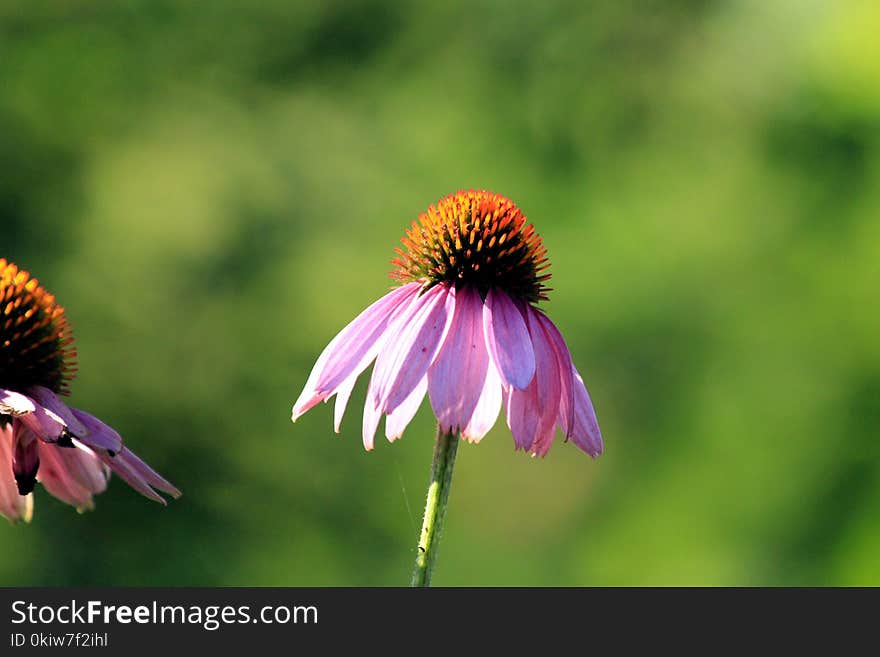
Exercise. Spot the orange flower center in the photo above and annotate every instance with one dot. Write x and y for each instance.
(475, 238)
(36, 343)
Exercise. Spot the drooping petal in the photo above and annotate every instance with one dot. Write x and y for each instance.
(489, 404)
(48, 400)
(81, 464)
(565, 418)
(13, 506)
(376, 400)
(97, 434)
(352, 349)
(531, 413)
(125, 473)
(521, 416)
(147, 473)
(416, 336)
(551, 387)
(372, 415)
(136, 473)
(403, 336)
(25, 457)
(60, 484)
(457, 375)
(400, 417)
(46, 424)
(507, 339)
(343, 393)
(13, 403)
(585, 431)
(72, 475)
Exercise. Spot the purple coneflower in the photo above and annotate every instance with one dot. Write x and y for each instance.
(463, 327)
(70, 452)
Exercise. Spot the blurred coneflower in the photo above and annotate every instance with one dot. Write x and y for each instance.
(463, 327)
(70, 452)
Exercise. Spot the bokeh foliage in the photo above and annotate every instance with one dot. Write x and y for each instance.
(213, 189)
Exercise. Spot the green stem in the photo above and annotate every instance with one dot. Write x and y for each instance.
(435, 506)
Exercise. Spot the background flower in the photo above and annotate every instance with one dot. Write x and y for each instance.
(41, 438)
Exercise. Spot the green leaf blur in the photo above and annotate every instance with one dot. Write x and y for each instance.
(213, 189)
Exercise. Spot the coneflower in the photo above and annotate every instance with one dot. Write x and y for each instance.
(70, 452)
(463, 327)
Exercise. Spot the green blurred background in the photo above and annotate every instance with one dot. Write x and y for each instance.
(213, 189)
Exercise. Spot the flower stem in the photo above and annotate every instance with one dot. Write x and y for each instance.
(435, 506)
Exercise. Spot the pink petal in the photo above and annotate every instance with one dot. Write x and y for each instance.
(544, 439)
(585, 433)
(13, 506)
(486, 412)
(343, 393)
(13, 403)
(372, 415)
(400, 417)
(45, 424)
(352, 349)
(48, 400)
(576, 419)
(565, 419)
(25, 457)
(82, 465)
(97, 434)
(147, 473)
(413, 343)
(124, 472)
(507, 339)
(531, 413)
(136, 473)
(457, 375)
(71, 475)
(358, 345)
(522, 418)
(400, 333)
